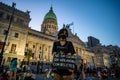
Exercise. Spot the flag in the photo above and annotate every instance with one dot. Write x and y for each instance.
(71, 24)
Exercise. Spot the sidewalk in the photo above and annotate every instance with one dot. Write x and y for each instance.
(42, 77)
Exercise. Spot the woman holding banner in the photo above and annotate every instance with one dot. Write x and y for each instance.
(63, 47)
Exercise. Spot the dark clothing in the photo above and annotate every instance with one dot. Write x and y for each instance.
(62, 72)
(117, 71)
(4, 77)
(65, 49)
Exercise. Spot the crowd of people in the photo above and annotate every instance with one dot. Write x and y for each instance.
(103, 73)
(10, 74)
(61, 47)
(81, 72)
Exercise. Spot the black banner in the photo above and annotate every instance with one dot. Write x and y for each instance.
(64, 62)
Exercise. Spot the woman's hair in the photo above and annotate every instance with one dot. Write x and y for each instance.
(13, 59)
(63, 32)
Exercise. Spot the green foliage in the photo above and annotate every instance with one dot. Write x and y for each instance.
(29, 54)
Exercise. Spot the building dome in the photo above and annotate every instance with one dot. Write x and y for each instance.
(49, 24)
(50, 15)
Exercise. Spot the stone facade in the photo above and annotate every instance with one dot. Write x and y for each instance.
(22, 38)
(102, 57)
(89, 57)
(18, 31)
(114, 52)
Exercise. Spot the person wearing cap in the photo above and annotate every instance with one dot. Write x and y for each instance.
(62, 46)
(13, 68)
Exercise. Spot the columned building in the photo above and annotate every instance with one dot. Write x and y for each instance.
(18, 32)
(102, 56)
(89, 58)
(23, 40)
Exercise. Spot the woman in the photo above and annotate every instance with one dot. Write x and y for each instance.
(63, 47)
(13, 68)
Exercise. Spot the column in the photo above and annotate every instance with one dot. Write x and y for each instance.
(49, 53)
(43, 45)
(35, 54)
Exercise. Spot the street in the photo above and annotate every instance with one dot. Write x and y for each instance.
(43, 77)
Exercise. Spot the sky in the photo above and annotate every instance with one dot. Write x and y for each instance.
(97, 18)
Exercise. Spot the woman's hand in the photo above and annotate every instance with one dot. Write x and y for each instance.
(69, 54)
(70, 70)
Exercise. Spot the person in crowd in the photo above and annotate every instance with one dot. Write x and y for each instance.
(21, 65)
(82, 68)
(4, 76)
(104, 73)
(88, 71)
(24, 68)
(78, 65)
(63, 47)
(38, 67)
(99, 74)
(13, 68)
(117, 72)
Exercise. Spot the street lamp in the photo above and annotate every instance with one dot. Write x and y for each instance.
(4, 43)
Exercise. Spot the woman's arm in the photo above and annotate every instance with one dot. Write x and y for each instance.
(54, 49)
(71, 50)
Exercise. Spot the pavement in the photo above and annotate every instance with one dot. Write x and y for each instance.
(43, 77)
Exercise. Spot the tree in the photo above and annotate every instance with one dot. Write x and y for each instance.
(29, 54)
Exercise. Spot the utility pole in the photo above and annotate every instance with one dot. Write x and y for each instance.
(71, 25)
(6, 36)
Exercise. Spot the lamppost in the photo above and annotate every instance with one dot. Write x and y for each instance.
(4, 43)
(42, 59)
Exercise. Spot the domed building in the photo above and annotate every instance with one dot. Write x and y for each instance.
(49, 25)
(24, 42)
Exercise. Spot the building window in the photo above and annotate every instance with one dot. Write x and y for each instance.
(13, 47)
(9, 59)
(12, 18)
(32, 55)
(5, 32)
(1, 14)
(16, 35)
(20, 21)
(40, 52)
(45, 49)
(33, 46)
(40, 47)
(39, 56)
(1, 45)
(8, 17)
(26, 45)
